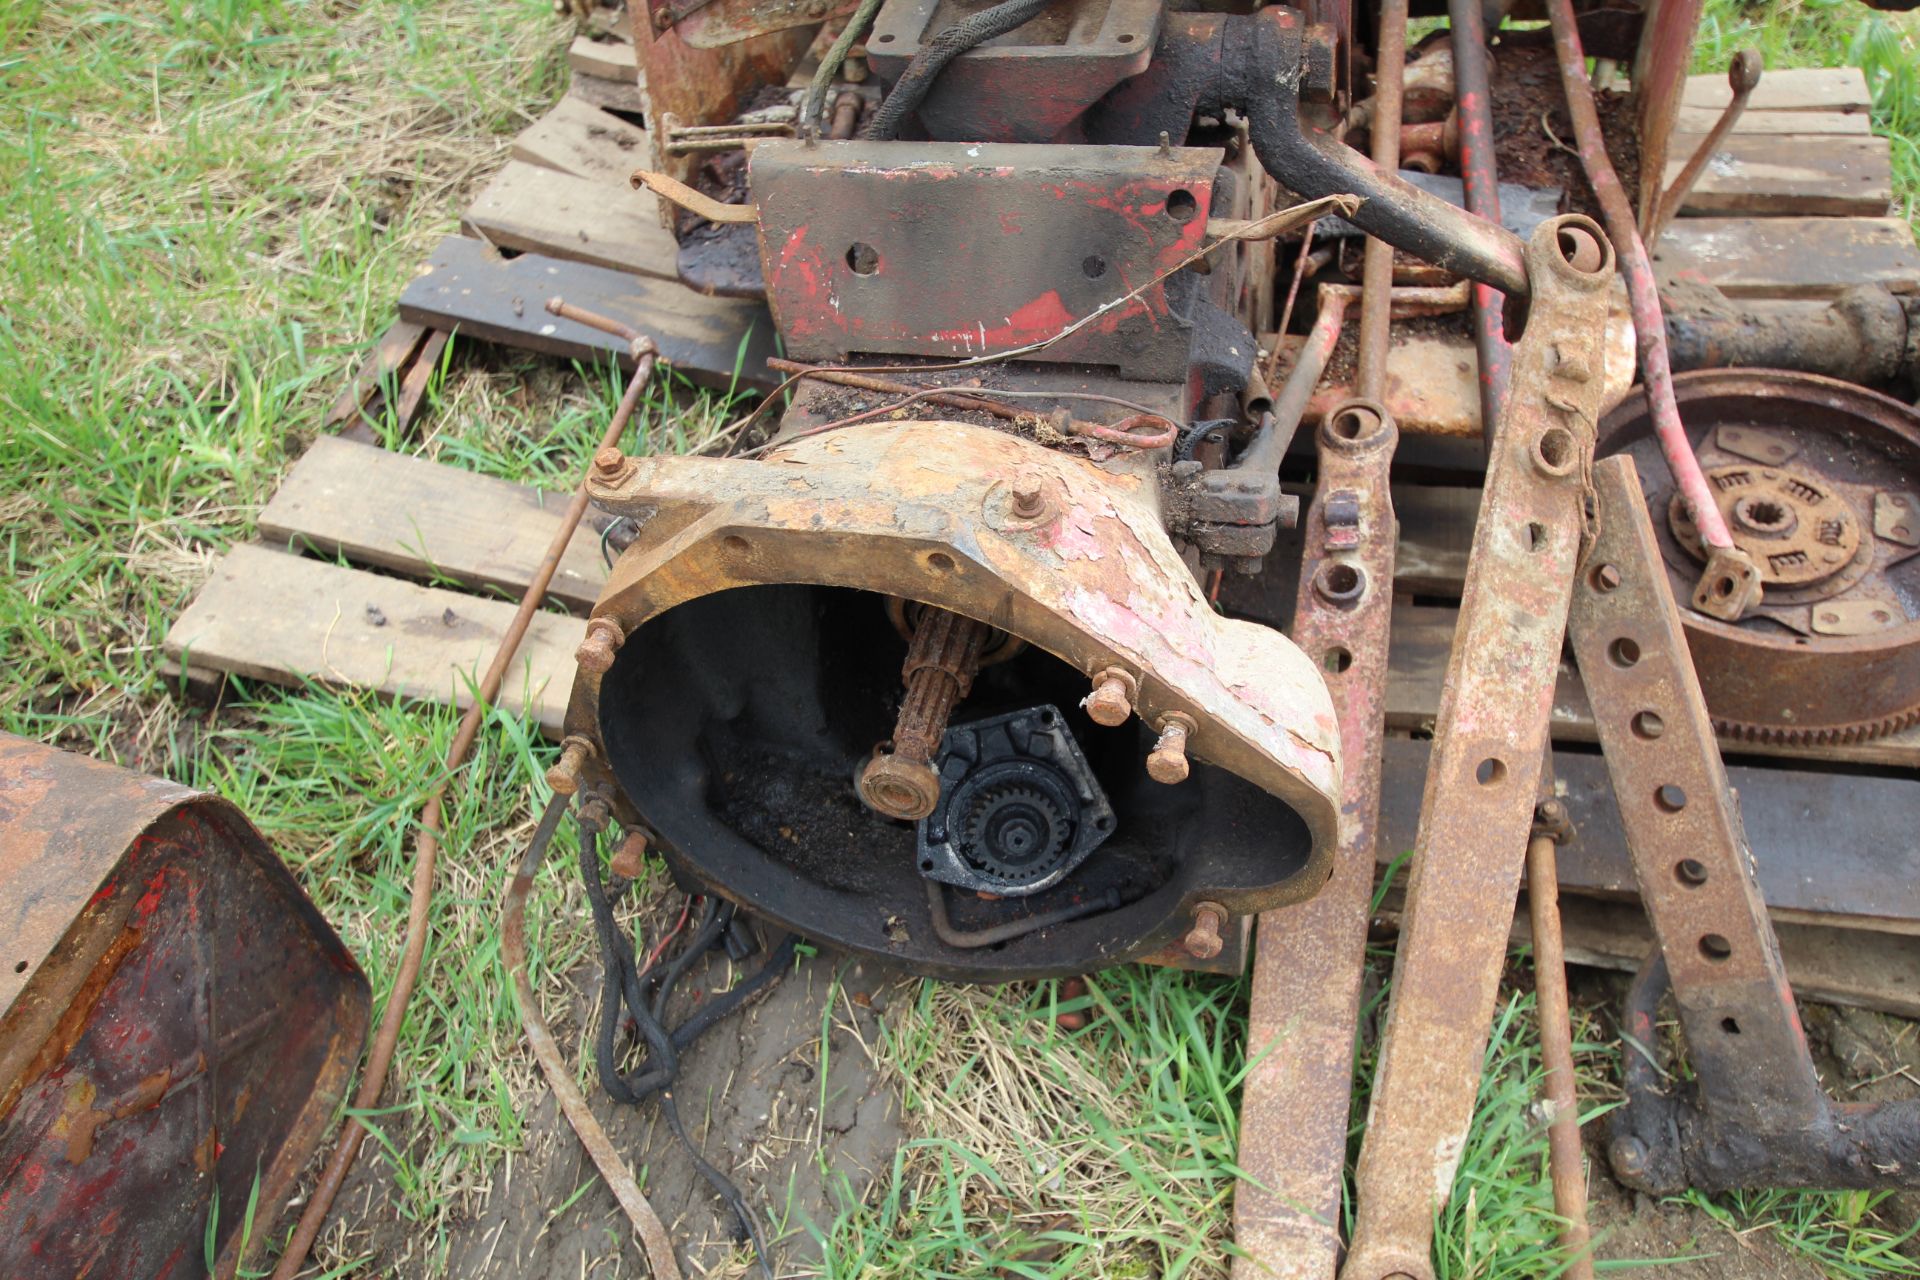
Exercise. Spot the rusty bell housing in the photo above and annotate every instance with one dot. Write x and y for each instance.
(947, 686)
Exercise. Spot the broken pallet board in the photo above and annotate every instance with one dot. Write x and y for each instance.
(1796, 257)
(1788, 174)
(410, 516)
(537, 210)
(469, 289)
(610, 95)
(580, 139)
(285, 619)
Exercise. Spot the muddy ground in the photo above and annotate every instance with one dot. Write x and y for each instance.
(752, 1097)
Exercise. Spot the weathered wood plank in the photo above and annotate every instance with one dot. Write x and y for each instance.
(1786, 89)
(1791, 257)
(1417, 665)
(1699, 121)
(467, 288)
(607, 59)
(578, 138)
(610, 95)
(537, 210)
(1788, 174)
(1829, 848)
(285, 619)
(428, 521)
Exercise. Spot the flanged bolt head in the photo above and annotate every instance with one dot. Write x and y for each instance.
(564, 776)
(1203, 941)
(1111, 702)
(1628, 1155)
(1167, 762)
(899, 787)
(596, 652)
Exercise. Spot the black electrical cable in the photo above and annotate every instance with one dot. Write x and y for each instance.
(911, 89)
(625, 987)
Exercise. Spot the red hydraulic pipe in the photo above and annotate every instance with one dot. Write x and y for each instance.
(1650, 326)
(1474, 110)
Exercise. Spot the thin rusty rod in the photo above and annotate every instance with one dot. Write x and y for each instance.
(1473, 106)
(553, 1064)
(1743, 77)
(1564, 1156)
(1376, 271)
(1643, 293)
(891, 387)
(427, 845)
(1290, 406)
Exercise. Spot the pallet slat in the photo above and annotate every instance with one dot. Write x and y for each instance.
(284, 619)
(1788, 174)
(1791, 257)
(467, 288)
(1786, 89)
(607, 59)
(421, 519)
(1831, 849)
(1699, 121)
(538, 210)
(578, 138)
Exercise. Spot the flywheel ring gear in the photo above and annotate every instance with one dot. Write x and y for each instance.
(1830, 662)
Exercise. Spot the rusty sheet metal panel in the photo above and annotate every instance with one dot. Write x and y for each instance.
(1311, 955)
(178, 1022)
(1489, 742)
(955, 250)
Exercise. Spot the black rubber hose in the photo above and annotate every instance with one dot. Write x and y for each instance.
(911, 89)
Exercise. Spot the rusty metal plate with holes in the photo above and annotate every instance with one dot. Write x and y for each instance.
(952, 250)
(1489, 741)
(1029, 84)
(1310, 956)
(178, 1022)
(1754, 1113)
(1681, 820)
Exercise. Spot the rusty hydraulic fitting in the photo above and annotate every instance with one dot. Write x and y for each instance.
(1167, 762)
(1111, 702)
(564, 777)
(597, 651)
(1203, 941)
(899, 779)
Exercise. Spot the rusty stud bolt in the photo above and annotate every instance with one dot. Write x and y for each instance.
(1203, 940)
(564, 777)
(1027, 496)
(1111, 702)
(1167, 762)
(596, 652)
(629, 861)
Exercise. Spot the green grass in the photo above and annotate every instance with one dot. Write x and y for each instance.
(206, 210)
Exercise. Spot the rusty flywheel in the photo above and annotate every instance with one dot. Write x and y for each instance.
(1819, 481)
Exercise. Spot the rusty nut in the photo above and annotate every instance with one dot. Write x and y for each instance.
(597, 651)
(629, 861)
